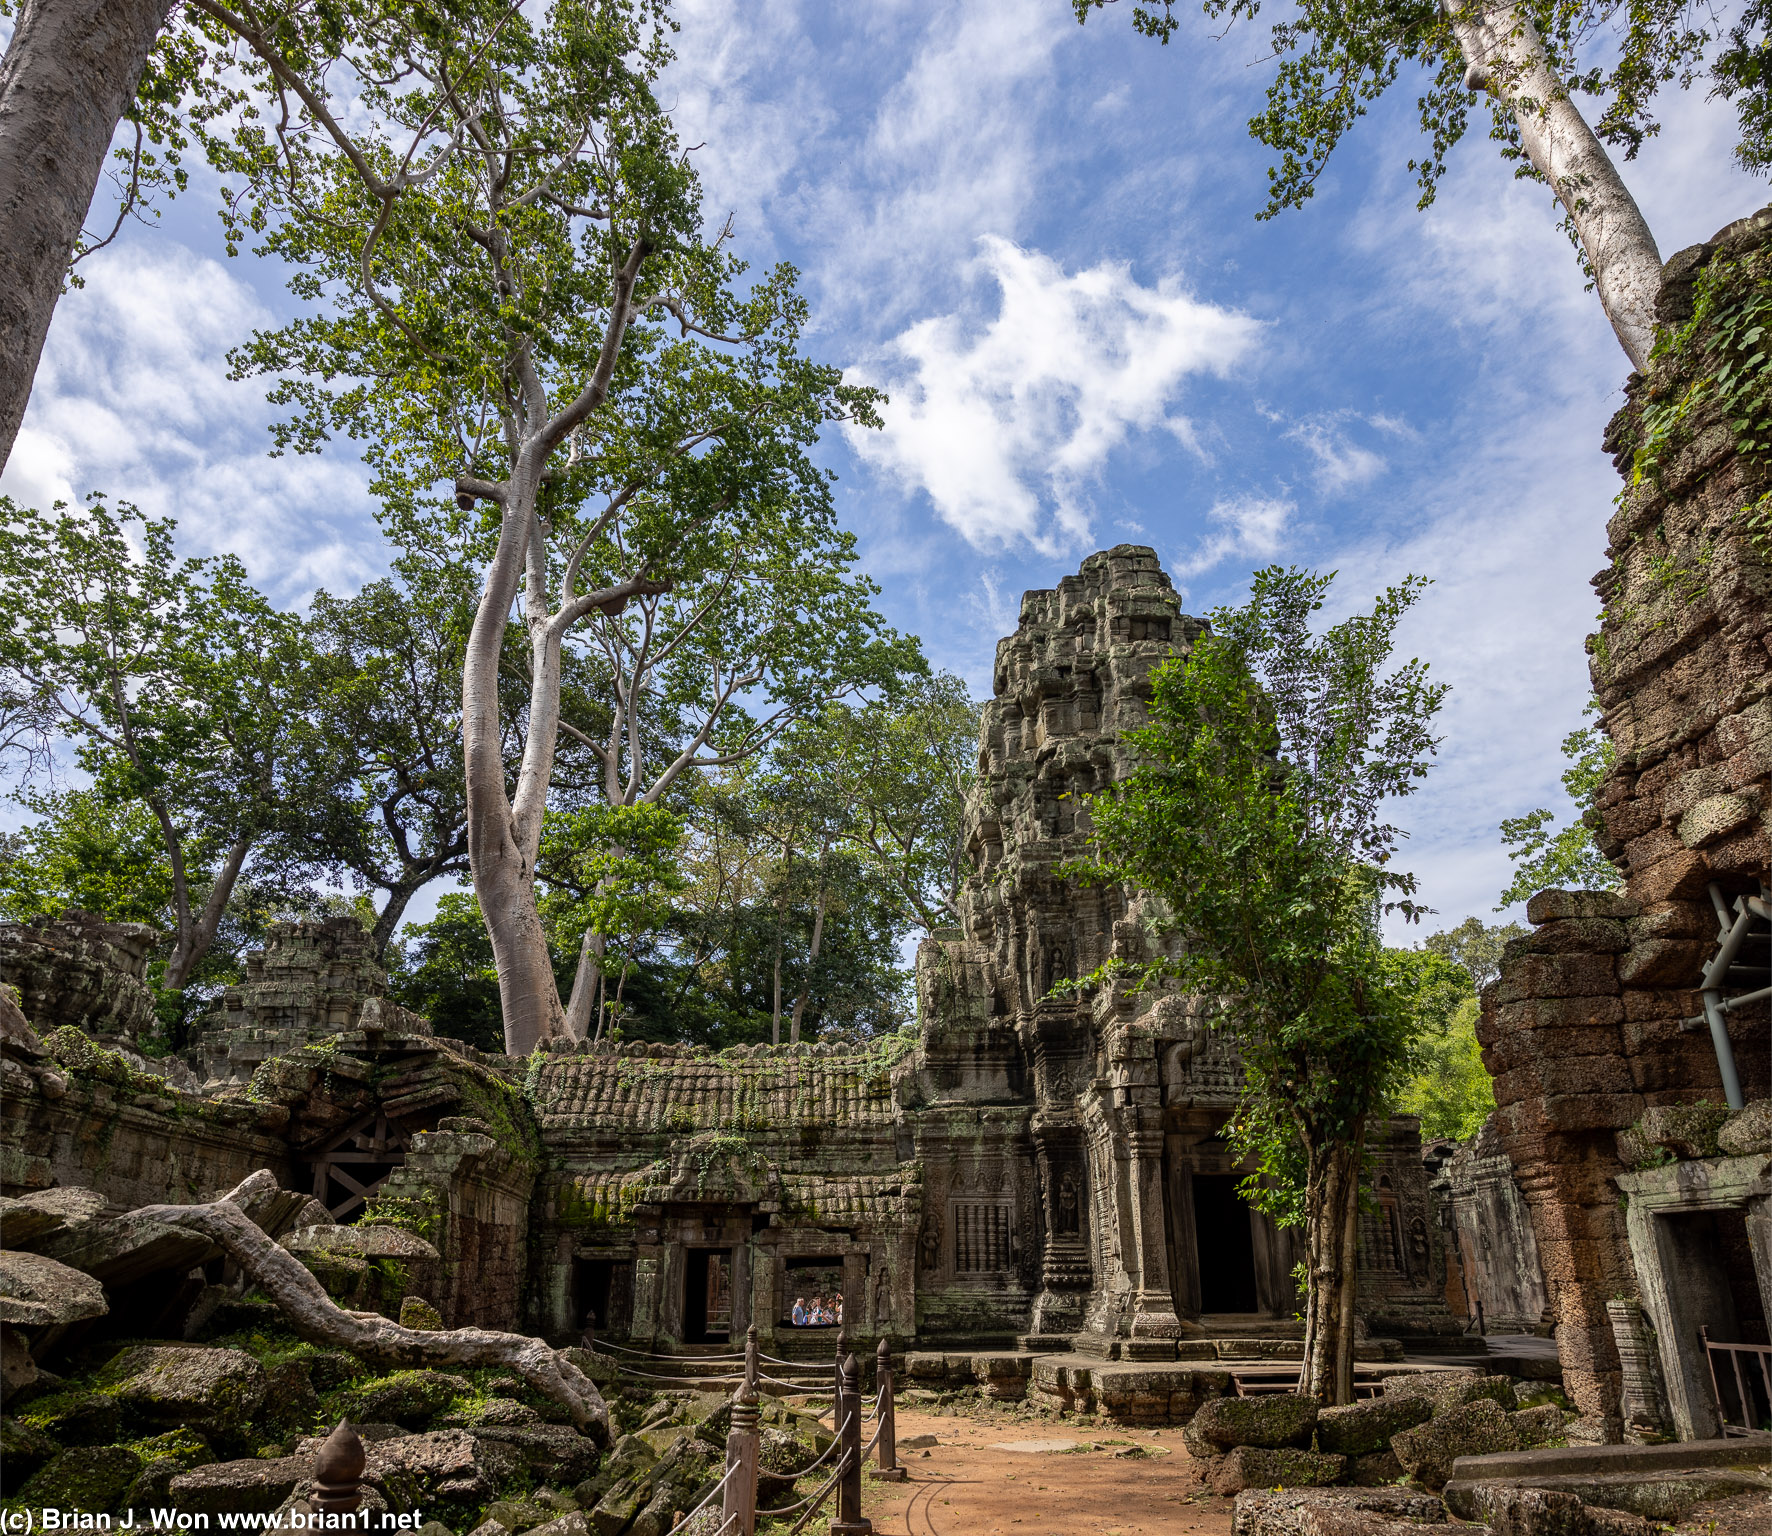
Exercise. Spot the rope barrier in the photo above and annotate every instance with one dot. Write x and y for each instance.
(717, 1488)
(795, 1386)
(706, 1381)
(811, 1502)
(875, 1441)
(598, 1346)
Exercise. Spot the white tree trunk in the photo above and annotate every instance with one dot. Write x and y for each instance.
(812, 960)
(67, 79)
(317, 1318)
(502, 861)
(1507, 57)
(581, 1006)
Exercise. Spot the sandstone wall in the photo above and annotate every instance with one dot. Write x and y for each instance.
(1591, 1023)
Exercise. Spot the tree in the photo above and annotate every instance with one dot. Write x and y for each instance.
(444, 970)
(87, 851)
(501, 231)
(388, 734)
(1566, 856)
(1448, 1085)
(1532, 60)
(1474, 946)
(764, 628)
(905, 763)
(1254, 813)
(610, 871)
(70, 73)
(180, 687)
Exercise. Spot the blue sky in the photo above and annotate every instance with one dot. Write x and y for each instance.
(1040, 239)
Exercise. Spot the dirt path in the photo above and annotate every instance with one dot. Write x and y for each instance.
(1105, 1481)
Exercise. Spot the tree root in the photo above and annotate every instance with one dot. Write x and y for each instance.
(317, 1318)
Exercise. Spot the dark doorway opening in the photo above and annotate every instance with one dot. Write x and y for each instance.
(1225, 1243)
(606, 1296)
(707, 1296)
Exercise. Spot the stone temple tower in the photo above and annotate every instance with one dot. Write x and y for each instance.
(1087, 1129)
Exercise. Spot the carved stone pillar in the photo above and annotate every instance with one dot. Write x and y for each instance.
(1153, 1326)
(1065, 1271)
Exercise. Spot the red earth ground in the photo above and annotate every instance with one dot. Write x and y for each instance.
(1068, 1480)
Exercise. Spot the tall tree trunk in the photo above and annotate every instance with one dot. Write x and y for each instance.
(1507, 57)
(806, 986)
(1332, 1215)
(67, 79)
(388, 919)
(586, 985)
(195, 936)
(780, 919)
(503, 864)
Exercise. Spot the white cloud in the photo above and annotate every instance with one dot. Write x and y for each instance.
(132, 398)
(1342, 464)
(1004, 423)
(1242, 525)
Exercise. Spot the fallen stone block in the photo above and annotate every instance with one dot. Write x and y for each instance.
(1270, 1421)
(1476, 1429)
(409, 1398)
(1359, 1429)
(205, 1388)
(1309, 1512)
(118, 1250)
(1379, 1469)
(1538, 1425)
(1472, 1389)
(1511, 1510)
(22, 1451)
(40, 1292)
(254, 1486)
(420, 1472)
(1253, 1466)
(88, 1478)
(30, 1217)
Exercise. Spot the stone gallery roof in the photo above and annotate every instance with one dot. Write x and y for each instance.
(675, 1090)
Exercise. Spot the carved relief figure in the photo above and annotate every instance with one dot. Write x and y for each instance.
(931, 1242)
(1065, 1219)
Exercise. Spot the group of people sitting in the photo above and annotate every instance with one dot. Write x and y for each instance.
(820, 1312)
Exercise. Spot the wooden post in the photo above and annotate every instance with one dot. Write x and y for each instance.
(849, 1520)
(738, 1508)
(338, 1471)
(750, 1359)
(889, 1470)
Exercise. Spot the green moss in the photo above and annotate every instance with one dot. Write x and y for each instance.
(420, 1214)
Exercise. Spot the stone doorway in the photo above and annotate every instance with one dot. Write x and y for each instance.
(606, 1296)
(1225, 1243)
(707, 1296)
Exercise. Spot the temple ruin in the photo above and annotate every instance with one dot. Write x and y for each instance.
(1031, 1191)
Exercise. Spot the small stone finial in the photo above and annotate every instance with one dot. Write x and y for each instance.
(338, 1471)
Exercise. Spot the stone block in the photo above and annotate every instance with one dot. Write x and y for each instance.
(208, 1389)
(1681, 875)
(1537, 1426)
(1579, 935)
(254, 1486)
(24, 1220)
(1357, 1429)
(1530, 1014)
(1253, 1466)
(1681, 1130)
(1479, 1428)
(1573, 975)
(1561, 906)
(1511, 1510)
(1380, 1469)
(1716, 817)
(1663, 962)
(90, 1479)
(1301, 1512)
(1747, 1131)
(1674, 920)
(22, 1451)
(1268, 1421)
(1463, 1390)
(40, 1292)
